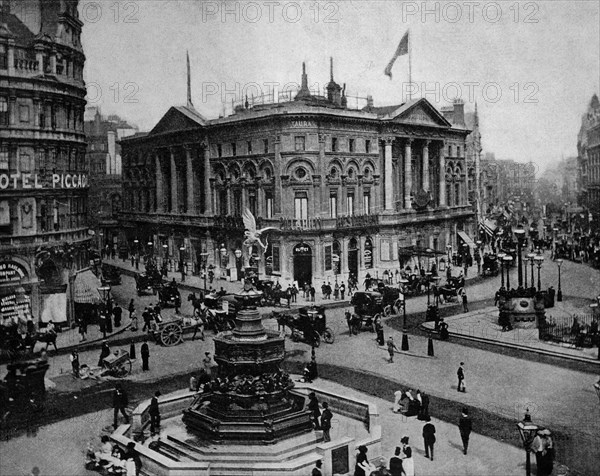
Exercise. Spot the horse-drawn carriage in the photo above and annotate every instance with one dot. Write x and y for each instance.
(490, 265)
(168, 295)
(12, 343)
(310, 325)
(368, 305)
(451, 290)
(272, 295)
(220, 312)
(110, 275)
(148, 283)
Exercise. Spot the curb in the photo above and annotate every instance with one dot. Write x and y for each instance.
(543, 356)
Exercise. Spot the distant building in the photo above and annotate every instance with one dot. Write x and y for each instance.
(43, 175)
(344, 191)
(588, 161)
(104, 158)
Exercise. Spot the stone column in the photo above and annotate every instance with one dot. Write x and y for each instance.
(11, 57)
(442, 178)
(426, 166)
(208, 208)
(174, 198)
(322, 172)
(189, 180)
(277, 206)
(407, 174)
(388, 182)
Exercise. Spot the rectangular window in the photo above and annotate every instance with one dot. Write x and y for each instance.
(249, 145)
(350, 203)
(367, 203)
(333, 205)
(300, 143)
(53, 116)
(219, 150)
(328, 262)
(223, 202)
(334, 144)
(368, 146)
(269, 204)
(237, 203)
(266, 146)
(3, 111)
(252, 203)
(233, 149)
(3, 57)
(3, 158)
(385, 250)
(25, 163)
(351, 145)
(301, 206)
(276, 259)
(24, 113)
(42, 116)
(457, 194)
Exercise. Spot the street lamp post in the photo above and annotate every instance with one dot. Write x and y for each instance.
(531, 257)
(527, 430)
(182, 263)
(526, 260)
(501, 259)
(404, 347)
(507, 260)
(559, 296)
(520, 234)
(428, 286)
(539, 259)
(165, 257)
(204, 257)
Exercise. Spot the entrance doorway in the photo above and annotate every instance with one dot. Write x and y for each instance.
(353, 257)
(302, 264)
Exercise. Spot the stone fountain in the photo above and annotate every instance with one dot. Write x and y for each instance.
(250, 400)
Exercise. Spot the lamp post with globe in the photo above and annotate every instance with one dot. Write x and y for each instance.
(559, 295)
(501, 259)
(527, 430)
(404, 347)
(507, 259)
(539, 259)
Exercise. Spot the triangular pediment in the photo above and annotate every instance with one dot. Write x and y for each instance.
(419, 112)
(178, 119)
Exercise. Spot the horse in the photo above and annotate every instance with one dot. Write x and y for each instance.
(48, 337)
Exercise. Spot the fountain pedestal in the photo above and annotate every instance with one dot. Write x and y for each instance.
(250, 400)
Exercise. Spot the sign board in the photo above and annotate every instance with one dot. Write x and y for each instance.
(11, 272)
(15, 307)
(302, 249)
(34, 181)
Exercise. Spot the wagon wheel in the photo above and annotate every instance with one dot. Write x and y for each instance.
(388, 311)
(459, 291)
(316, 342)
(123, 369)
(328, 335)
(171, 334)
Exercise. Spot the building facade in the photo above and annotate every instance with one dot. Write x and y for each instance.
(588, 161)
(341, 191)
(43, 173)
(105, 166)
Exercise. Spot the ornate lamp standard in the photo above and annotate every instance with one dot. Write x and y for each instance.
(501, 259)
(223, 252)
(507, 260)
(520, 234)
(559, 263)
(531, 257)
(527, 430)
(182, 263)
(526, 260)
(165, 248)
(404, 282)
(428, 275)
(539, 259)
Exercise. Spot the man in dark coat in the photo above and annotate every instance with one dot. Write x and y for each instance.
(147, 317)
(104, 352)
(145, 351)
(429, 439)
(117, 312)
(396, 463)
(465, 425)
(154, 413)
(461, 377)
(326, 417)
(313, 406)
(131, 453)
(120, 402)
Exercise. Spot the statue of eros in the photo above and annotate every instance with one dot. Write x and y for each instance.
(252, 234)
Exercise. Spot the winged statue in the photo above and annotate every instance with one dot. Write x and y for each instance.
(252, 234)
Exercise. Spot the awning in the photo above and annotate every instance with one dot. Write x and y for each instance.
(488, 226)
(85, 288)
(467, 239)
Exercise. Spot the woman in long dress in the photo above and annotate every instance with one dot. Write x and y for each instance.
(397, 398)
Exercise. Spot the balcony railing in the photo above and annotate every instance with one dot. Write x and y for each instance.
(357, 221)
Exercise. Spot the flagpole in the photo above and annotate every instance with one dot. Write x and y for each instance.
(409, 66)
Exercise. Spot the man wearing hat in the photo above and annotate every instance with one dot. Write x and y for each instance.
(154, 413)
(465, 425)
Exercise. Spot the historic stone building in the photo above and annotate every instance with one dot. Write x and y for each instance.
(105, 166)
(341, 190)
(43, 175)
(588, 160)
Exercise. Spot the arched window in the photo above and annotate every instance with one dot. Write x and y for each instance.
(336, 257)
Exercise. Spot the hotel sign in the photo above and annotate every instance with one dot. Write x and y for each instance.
(34, 181)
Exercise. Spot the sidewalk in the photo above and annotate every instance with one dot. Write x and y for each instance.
(483, 325)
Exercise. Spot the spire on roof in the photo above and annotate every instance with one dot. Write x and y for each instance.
(189, 82)
(331, 69)
(304, 91)
(333, 88)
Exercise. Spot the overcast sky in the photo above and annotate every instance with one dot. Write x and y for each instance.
(532, 67)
